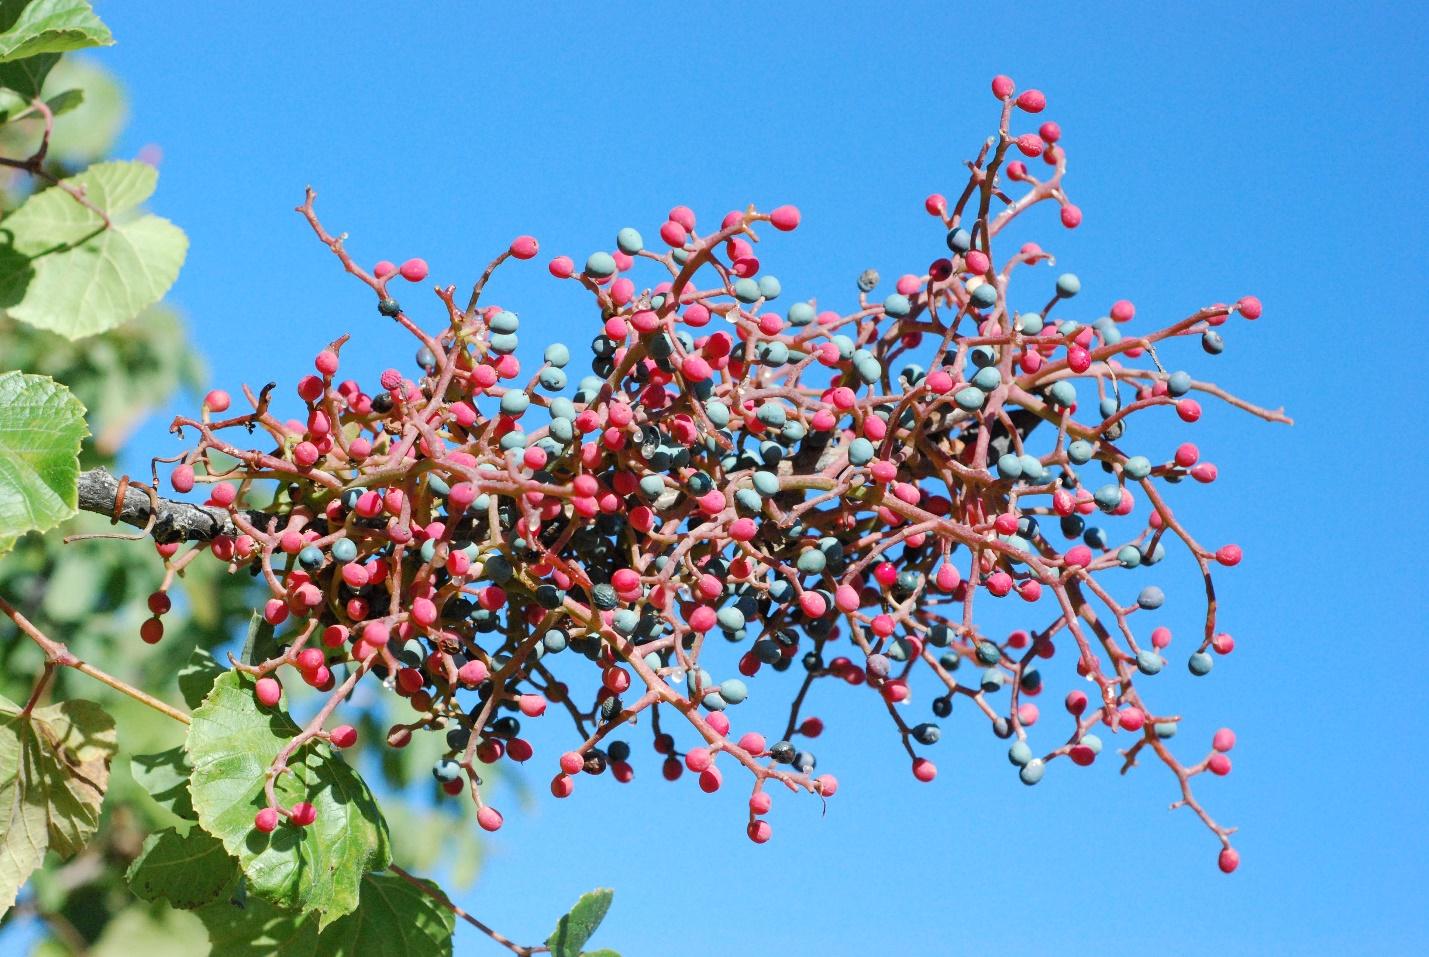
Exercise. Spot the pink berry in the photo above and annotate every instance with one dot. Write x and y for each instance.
(1071, 216)
(1122, 310)
(217, 401)
(1032, 101)
(1002, 86)
(936, 204)
(572, 762)
(759, 831)
(532, 705)
(1219, 764)
(303, 814)
(924, 770)
(1249, 306)
(1228, 860)
(1228, 555)
(1223, 643)
(1132, 718)
(562, 267)
(785, 218)
(182, 479)
(525, 247)
(414, 270)
(1224, 740)
(268, 691)
(266, 820)
(326, 362)
(1050, 132)
(828, 784)
(760, 802)
(1188, 409)
(489, 818)
(384, 269)
(343, 736)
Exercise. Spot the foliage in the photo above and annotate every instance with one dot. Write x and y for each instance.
(457, 539)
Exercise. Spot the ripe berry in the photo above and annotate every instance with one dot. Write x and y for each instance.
(343, 736)
(1228, 860)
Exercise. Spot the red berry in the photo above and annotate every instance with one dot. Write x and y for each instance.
(151, 631)
(217, 401)
(924, 770)
(266, 820)
(489, 818)
(414, 270)
(1071, 216)
(1032, 101)
(1002, 86)
(525, 247)
(303, 814)
(1228, 860)
(343, 736)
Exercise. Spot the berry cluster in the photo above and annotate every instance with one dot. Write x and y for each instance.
(832, 493)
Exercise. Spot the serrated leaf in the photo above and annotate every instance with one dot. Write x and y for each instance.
(41, 428)
(231, 744)
(64, 269)
(251, 927)
(165, 776)
(29, 27)
(197, 676)
(575, 928)
(394, 919)
(54, 769)
(185, 870)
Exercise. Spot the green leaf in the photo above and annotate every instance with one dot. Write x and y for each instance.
(252, 927)
(87, 133)
(26, 77)
(62, 103)
(260, 645)
(394, 919)
(231, 744)
(575, 928)
(54, 769)
(41, 427)
(165, 776)
(186, 870)
(49, 26)
(197, 676)
(153, 931)
(603, 952)
(66, 270)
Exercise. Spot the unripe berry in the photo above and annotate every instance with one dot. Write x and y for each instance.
(785, 218)
(1032, 101)
(1228, 860)
(268, 691)
(489, 818)
(303, 814)
(924, 770)
(217, 401)
(1002, 86)
(414, 270)
(266, 820)
(525, 247)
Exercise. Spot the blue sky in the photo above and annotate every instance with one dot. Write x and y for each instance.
(1216, 149)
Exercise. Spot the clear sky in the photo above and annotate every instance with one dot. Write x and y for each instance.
(1216, 149)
